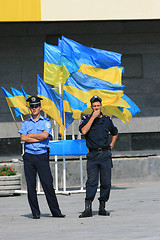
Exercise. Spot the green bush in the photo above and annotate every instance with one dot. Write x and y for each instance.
(7, 171)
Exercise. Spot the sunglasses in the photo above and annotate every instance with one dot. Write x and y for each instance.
(34, 106)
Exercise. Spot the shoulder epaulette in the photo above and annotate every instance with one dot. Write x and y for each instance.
(106, 116)
(26, 120)
(46, 119)
(85, 117)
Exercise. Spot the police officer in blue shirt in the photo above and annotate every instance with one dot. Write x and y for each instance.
(96, 129)
(35, 133)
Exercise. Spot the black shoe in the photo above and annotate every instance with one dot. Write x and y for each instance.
(59, 215)
(88, 209)
(102, 211)
(85, 214)
(36, 216)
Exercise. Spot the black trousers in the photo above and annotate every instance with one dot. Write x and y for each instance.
(98, 166)
(34, 164)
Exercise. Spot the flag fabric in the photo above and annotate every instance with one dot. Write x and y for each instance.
(52, 104)
(95, 80)
(52, 68)
(11, 102)
(109, 79)
(132, 110)
(123, 113)
(97, 66)
(17, 111)
(55, 71)
(21, 101)
(26, 96)
(54, 60)
(9, 98)
(90, 82)
(87, 55)
(112, 74)
(24, 93)
(84, 72)
(83, 89)
(73, 105)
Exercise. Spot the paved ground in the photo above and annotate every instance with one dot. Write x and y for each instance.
(134, 209)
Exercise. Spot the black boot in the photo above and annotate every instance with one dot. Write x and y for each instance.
(102, 210)
(88, 209)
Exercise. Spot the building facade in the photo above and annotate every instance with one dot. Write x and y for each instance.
(134, 32)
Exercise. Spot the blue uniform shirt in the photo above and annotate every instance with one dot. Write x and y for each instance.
(98, 135)
(29, 126)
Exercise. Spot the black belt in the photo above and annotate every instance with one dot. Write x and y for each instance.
(98, 149)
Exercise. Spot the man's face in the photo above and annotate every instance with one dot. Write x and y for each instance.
(96, 106)
(35, 110)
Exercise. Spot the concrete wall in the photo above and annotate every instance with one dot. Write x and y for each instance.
(99, 10)
(126, 170)
(21, 59)
(83, 10)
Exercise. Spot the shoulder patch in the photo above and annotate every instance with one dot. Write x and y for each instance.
(47, 124)
(84, 118)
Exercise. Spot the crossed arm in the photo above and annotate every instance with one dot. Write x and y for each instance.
(31, 138)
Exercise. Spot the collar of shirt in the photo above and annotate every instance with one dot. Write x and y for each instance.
(40, 117)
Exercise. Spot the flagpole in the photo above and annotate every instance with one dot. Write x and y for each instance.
(56, 131)
(22, 118)
(64, 160)
(52, 129)
(73, 136)
(60, 92)
(13, 118)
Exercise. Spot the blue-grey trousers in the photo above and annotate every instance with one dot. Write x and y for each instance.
(98, 167)
(34, 164)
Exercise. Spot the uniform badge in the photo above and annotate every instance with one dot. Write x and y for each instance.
(48, 125)
(33, 99)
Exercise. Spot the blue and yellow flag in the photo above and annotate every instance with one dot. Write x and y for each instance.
(87, 55)
(24, 93)
(132, 110)
(52, 102)
(84, 87)
(57, 68)
(55, 71)
(21, 101)
(84, 72)
(73, 105)
(105, 82)
(11, 102)
(123, 113)
(112, 74)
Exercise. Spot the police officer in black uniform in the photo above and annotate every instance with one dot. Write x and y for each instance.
(35, 133)
(96, 129)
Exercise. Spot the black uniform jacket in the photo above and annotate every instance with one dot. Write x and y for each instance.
(98, 135)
